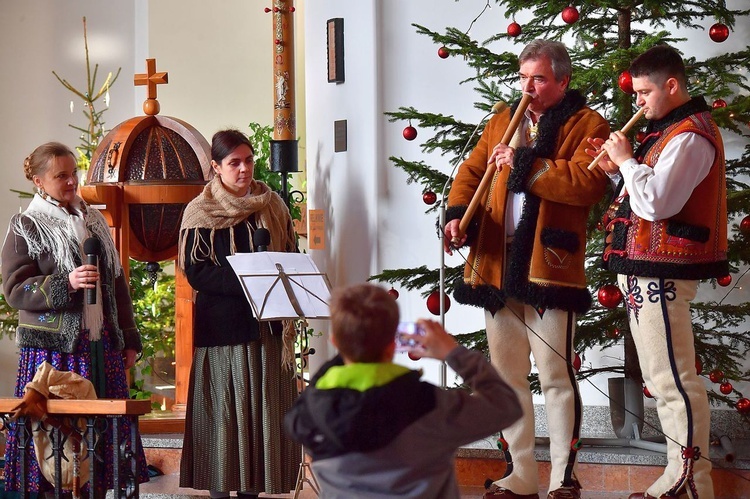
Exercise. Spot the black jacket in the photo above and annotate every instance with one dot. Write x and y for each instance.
(337, 421)
(223, 316)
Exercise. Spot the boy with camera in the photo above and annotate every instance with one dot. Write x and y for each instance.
(372, 428)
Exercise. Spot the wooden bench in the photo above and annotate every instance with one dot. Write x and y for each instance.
(99, 416)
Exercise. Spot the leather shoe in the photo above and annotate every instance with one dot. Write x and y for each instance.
(495, 492)
(571, 492)
(644, 495)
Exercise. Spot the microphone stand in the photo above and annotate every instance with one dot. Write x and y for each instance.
(441, 285)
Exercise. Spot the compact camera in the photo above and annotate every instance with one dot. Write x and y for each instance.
(403, 342)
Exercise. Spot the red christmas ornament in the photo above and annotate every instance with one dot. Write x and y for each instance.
(393, 293)
(443, 52)
(718, 32)
(410, 133)
(640, 136)
(577, 362)
(719, 103)
(647, 393)
(570, 14)
(433, 302)
(716, 376)
(514, 29)
(698, 366)
(724, 281)
(745, 226)
(429, 197)
(726, 388)
(599, 44)
(626, 82)
(609, 296)
(615, 333)
(743, 405)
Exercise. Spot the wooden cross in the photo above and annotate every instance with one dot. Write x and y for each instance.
(151, 78)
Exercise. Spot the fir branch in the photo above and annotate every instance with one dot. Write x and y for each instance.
(450, 134)
(419, 171)
(420, 278)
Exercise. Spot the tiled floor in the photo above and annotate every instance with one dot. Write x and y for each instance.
(606, 473)
(166, 486)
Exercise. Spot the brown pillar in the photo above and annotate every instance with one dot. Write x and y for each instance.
(183, 344)
(285, 121)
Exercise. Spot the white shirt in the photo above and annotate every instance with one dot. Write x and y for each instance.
(662, 191)
(514, 202)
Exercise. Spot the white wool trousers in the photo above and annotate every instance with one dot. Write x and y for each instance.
(660, 322)
(513, 334)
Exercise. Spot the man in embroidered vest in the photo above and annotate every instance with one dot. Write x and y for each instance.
(526, 261)
(666, 230)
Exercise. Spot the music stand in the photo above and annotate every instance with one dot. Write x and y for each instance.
(286, 286)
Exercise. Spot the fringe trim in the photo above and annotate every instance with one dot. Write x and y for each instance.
(62, 238)
(289, 335)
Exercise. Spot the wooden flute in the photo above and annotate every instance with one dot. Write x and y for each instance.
(484, 184)
(624, 129)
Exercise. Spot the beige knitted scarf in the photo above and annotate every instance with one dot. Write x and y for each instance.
(216, 208)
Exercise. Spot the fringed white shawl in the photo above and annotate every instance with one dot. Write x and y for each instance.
(49, 228)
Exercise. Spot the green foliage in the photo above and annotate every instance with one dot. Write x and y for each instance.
(260, 137)
(8, 318)
(420, 278)
(154, 304)
(138, 392)
(606, 38)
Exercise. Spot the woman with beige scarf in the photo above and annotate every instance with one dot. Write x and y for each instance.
(242, 380)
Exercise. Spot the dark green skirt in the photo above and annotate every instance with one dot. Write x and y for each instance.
(234, 438)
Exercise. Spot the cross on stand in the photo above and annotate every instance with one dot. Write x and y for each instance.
(151, 78)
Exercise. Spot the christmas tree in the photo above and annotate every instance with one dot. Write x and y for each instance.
(603, 37)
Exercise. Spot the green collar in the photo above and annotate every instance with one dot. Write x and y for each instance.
(360, 376)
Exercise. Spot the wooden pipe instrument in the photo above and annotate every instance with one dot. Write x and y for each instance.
(484, 184)
(624, 129)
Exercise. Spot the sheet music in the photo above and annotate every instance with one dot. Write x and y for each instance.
(259, 276)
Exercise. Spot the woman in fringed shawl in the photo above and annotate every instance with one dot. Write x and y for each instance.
(242, 380)
(44, 278)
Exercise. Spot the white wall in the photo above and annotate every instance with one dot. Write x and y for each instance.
(219, 60)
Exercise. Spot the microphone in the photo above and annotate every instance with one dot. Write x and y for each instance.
(499, 107)
(261, 239)
(92, 248)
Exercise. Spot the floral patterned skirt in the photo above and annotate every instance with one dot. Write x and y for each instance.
(79, 362)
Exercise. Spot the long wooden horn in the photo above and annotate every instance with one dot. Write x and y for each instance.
(624, 129)
(490, 171)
